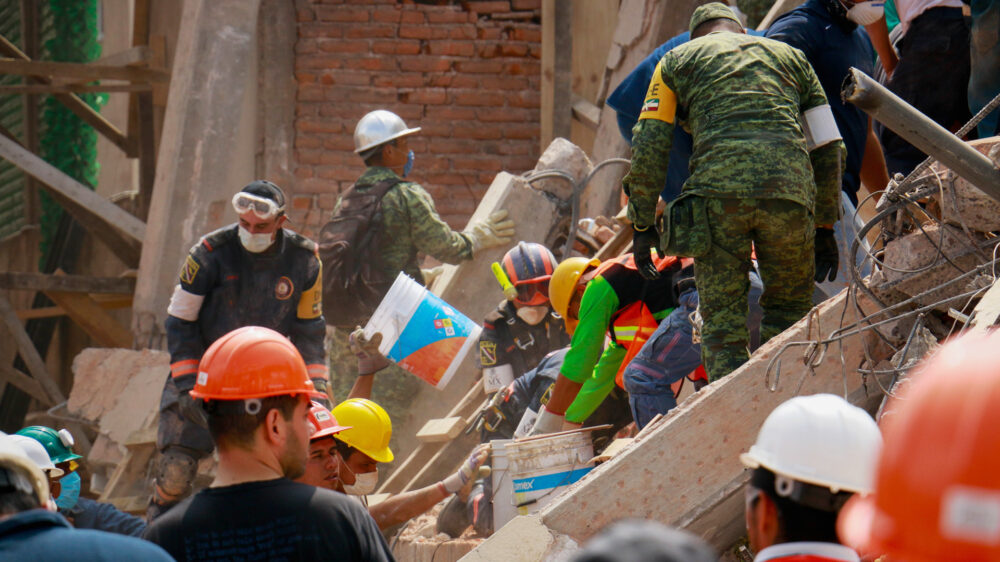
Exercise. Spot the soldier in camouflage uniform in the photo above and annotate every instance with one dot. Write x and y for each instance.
(765, 175)
(409, 222)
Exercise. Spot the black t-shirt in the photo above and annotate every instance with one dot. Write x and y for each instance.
(270, 520)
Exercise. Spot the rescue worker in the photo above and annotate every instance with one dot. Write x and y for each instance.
(937, 496)
(255, 389)
(595, 299)
(253, 272)
(811, 455)
(409, 223)
(641, 540)
(523, 328)
(370, 423)
(82, 513)
(756, 178)
(31, 530)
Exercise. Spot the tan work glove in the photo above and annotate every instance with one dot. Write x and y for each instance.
(468, 471)
(431, 274)
(370, 359)
(497, 230)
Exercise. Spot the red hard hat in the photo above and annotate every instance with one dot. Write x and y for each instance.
(251, 362)
(937, 485)
(323, 423)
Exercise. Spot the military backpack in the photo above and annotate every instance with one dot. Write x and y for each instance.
(349, 246)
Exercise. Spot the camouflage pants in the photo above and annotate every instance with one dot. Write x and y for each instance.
(782, 233)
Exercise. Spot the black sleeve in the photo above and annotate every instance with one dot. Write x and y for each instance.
(197, 279)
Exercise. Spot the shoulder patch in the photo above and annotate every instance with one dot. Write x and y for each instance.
(487, 353)
(190, 270)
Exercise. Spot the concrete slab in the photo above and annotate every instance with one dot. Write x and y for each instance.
(961, 202)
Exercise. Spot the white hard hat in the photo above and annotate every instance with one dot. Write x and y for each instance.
(379, 127)
(13, 458)
(37, 453)
(821, 440)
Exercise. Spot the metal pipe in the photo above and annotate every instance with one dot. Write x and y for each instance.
(920, 131)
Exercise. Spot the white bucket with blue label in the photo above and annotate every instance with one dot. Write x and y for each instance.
(541, 468)
(422, 333)
(503, 490)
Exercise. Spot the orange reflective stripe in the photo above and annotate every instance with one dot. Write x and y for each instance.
(185, 367)
(637, 320)
(317, 371)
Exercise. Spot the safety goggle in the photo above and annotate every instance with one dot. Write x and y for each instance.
(534, 292)
(264, 208)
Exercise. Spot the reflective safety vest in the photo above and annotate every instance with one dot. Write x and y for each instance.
(643, 303)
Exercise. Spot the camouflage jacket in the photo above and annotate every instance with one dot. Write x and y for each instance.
(740, 97)
(410, 224)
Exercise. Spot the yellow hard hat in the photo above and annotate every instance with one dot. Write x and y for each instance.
(563, 285)
(370, 429)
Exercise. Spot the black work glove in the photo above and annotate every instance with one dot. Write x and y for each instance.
(191, 409)
(827, 255)
(642, 242)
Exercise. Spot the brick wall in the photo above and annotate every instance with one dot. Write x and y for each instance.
(468, 73)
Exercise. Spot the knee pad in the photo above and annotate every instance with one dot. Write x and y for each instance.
(175, 473)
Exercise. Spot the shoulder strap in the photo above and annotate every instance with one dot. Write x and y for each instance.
(382, 187)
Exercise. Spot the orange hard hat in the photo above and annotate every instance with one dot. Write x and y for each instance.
(937, 485)
(323, 423)
(251, 362)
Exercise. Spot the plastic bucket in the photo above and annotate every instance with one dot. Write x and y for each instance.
(542, 468)
(503, 488)
(421, 332)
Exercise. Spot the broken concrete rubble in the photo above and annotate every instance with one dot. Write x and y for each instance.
(564, 156)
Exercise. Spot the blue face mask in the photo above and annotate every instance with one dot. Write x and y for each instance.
(408, 167)
(70, 492)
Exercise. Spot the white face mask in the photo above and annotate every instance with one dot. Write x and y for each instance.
(364, 484)
(866, 13)
(255, 243)
(533, 314)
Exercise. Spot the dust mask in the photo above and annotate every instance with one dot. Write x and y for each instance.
(866, 13)
(533, 314)
(255, 243)
(364, 484)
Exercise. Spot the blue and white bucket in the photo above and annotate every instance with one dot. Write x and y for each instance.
(542, 468)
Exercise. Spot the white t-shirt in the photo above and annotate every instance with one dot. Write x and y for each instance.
(908, 10)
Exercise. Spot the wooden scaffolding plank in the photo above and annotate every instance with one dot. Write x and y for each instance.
(94, 320)
(82, 71)
(69, 283)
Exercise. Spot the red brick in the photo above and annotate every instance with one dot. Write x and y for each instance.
(522, 68)
(477, 131)
(520, 163)
(303, 172)
(521, 149)
(370, 32)
(319, 61)
(304, 142)
(311, 92)
(412, 17)
(300, 202)
(423, 64)
(370, 63)
(488, 50)
(298, 217)
(529, 34)
(396, 47)
(435, 128)
(480, 98)
(313, 185)
(487, 7)
(536, 52)
(452, 113)
(515, 83)
(337, 13)
(318, 125)
(341, 142)
(351, 78)
(462, 32)
(507, 114)
(489, 33)
(307, 30)
(452, 48)
(306, 46)
(305, 77)
(449, 16)
(327, 201)
(402, 80)
(482, 163)
(479, 67)
(444, 179)
(524, 98)
(338, 158)
(386, 15)
(432, 96)
(304, 14)
(453, 81)
(513, 49)
(342, 46)
(521, 130)
(525, 4)
(337, 173)
(422, 32)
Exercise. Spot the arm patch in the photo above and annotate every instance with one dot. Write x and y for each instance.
(661, 101)
(190, 270)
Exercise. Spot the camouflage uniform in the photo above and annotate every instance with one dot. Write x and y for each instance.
(410, 224)
(751, 172)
